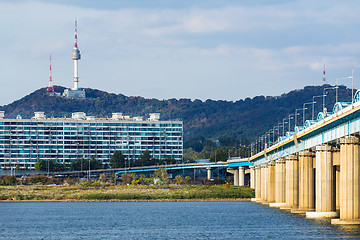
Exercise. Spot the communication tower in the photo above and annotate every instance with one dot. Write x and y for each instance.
(50, 89)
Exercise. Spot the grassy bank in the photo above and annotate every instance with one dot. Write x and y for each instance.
(121, 192)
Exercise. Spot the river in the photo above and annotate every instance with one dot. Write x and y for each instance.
(161, 220)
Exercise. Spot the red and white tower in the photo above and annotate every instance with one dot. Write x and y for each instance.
(50, 89)
(76, 56)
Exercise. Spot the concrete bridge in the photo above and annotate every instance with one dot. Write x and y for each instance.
(315, 169)
(237, 166)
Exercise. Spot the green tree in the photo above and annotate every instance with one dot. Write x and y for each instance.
(145, 159)
(52, 166)
(95, 163)
(222, 154)
(55, 166)
(117, 160)
(167, 161)
(79, 165)
(83, 164)
(227, 140)
(190, 155)
(37, 164)
(161, 174)
(145, 156)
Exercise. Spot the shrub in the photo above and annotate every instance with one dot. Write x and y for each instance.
(9, 180)
(103, 177)
(57, 181)
(72, 181)
(144, 180)
(34, 179)
(135, 182)
(86, 184)
(126, 178)
(96, 185)
(179, 179)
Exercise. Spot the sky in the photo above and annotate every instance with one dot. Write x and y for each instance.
(197, 49)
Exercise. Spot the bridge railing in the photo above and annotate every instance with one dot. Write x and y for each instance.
(21, 172)
(347, 120)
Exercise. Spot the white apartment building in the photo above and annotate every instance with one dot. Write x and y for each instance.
(23, 141)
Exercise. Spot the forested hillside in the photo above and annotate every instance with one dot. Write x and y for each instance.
(243, 119)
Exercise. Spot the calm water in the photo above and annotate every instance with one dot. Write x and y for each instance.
(161, 220)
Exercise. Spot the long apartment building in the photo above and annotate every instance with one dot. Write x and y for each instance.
(23, 141)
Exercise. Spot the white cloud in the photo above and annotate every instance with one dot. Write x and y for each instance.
(201, 24)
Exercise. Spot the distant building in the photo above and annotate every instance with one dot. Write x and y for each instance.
(78, 93)
(23, 141)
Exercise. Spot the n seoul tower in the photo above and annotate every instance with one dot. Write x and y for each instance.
(75, 92)
(76, 56)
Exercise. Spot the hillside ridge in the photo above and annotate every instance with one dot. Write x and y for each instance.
(243, 119)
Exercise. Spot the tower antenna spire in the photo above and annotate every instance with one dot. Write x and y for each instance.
(75, 45)
(50, 89)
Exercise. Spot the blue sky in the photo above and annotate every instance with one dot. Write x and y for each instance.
(198, 49)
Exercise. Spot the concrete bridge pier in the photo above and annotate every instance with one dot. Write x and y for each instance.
(264, 171)
(349, 181)
(236, 177)
(336, 168)
(292, 182)
(208, 173)
(252, 177)
(234, 171)
(271, 182)
(306, 182)
(279, 195)
(324, 185)
(257, 171)
(241, 176)
(337, 176)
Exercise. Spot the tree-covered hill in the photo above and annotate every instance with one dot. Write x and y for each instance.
(242, 119)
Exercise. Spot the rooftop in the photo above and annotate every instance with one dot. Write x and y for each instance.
(117, 116)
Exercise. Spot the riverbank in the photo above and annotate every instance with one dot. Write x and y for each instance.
(139, 200)
(79, 193)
